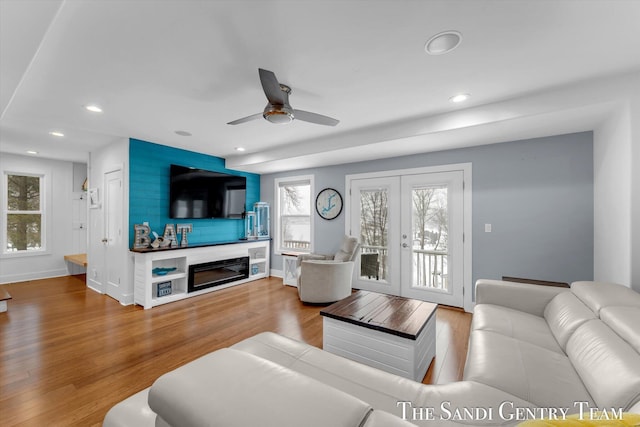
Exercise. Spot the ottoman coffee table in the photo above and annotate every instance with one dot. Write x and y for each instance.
(391, 333)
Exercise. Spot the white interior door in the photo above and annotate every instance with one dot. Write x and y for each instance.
(411, 231)
(432, 237)
(113, 221)
(375, 219)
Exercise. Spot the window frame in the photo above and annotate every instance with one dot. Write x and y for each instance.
(43, 212)
(281, 182)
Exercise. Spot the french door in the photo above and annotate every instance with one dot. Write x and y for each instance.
(411, 233)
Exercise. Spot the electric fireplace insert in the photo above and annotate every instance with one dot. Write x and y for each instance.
(216, 273)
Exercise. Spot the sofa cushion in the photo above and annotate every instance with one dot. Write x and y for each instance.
(625, 321)
(380, 389)
(533, 373)
(607, 364)
(232, 388)
(515, 324)
(597, 295)
(523, 297)
(564, 314)
(385, 419)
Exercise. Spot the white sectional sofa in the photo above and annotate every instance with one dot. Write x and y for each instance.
(534, 351)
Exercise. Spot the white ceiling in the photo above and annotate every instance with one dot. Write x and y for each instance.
(160, 66)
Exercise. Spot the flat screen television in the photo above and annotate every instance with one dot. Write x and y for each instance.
(197, 193)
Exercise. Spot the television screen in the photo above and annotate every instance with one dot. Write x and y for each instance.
(197, 193)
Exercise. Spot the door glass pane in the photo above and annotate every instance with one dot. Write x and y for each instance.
(430, 234)
(374, 211)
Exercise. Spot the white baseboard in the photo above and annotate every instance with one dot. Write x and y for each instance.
(95, 285)
(126, 299)
(276, 273)
(36, 275)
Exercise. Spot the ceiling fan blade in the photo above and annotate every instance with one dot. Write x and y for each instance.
(314, 118)
(271, 87)
(246, 119)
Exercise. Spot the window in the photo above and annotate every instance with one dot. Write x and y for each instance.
(23, 217)
(294, 226)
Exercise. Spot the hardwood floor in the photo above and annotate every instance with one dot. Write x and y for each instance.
(68, 353)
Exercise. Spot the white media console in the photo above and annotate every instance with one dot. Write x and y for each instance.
(174, 284)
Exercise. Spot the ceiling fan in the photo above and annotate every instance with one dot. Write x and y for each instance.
(278, 109)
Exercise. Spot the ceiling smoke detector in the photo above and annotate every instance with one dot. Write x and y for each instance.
(443, 42)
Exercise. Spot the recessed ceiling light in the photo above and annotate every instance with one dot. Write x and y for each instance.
(56, 133)
(443, 42)
(32, 152)
(461, 97)
(240, 148)
(183, 133)
(93, 108)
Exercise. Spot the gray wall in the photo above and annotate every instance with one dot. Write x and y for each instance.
(537, 194)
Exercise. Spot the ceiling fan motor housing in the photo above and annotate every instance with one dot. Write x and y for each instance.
(280, 114)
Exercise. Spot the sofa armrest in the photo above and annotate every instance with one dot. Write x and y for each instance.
(133, 411)
(311, 257)
(531, 299)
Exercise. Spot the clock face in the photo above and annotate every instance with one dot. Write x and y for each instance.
(329, 203)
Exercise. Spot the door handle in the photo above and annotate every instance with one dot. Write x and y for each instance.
(404, 245)
(105, 240)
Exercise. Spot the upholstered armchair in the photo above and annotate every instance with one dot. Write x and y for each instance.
(327, 278)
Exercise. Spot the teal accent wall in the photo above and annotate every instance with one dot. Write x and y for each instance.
(149, 191)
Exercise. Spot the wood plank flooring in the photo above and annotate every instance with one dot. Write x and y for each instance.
(68, 353)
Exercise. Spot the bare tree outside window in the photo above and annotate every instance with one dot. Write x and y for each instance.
(374, 213)
(430, 220)
(24, 213)
(295, 216)
(431, 236)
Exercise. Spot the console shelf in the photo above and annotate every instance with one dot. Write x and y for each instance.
(146, 283)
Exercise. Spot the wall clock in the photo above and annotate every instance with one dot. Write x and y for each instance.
(329, 203)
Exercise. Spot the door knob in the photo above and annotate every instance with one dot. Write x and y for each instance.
(404, 245)
(105, 240)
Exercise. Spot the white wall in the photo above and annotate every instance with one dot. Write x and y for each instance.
(58, 220)
(634, 114)
(115, 155)
(612, 202)
(617, 191)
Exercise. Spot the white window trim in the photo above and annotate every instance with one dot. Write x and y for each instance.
(45, 212)
(277, 182)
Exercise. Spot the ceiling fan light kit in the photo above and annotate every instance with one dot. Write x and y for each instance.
(278, 109)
